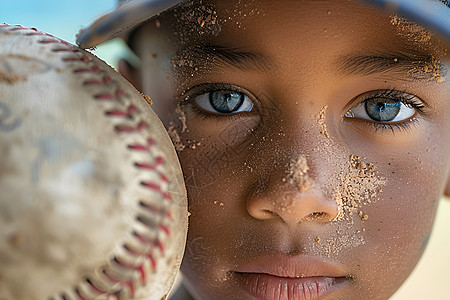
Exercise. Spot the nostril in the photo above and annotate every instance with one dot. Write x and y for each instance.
(262, 213)
(316, 217)
(269, 214)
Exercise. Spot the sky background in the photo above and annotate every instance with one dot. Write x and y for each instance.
(63, 19)
(430, 280)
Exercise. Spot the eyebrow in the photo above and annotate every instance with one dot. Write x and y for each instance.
(406, 64)
(233, 57)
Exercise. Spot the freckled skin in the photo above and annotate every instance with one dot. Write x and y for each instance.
(241, 206)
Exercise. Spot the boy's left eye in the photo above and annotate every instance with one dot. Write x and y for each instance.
(385, 108)
(224, 102)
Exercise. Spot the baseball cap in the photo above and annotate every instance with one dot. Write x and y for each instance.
(432, 14)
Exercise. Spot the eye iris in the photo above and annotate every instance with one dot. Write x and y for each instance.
(382, 110)
(226, 102)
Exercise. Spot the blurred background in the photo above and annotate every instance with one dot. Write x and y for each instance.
(430, 279)
(63, 19)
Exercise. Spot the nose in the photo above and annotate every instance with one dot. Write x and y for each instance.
(291, 205)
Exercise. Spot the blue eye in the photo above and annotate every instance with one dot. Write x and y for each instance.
(382, 109)
(224, 102)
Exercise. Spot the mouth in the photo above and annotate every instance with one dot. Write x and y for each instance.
(291, 277)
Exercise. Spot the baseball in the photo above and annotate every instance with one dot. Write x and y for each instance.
(93, 203)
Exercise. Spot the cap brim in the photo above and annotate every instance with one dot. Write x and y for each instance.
(433, 15)
(121, 20)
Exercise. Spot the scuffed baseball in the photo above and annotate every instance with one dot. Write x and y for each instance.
(92, 199)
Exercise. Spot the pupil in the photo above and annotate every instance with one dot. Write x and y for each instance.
(382, 111)
(226, 102)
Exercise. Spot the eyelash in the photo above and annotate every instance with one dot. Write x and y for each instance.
(208, 88)
(396, 95)
(391, 94)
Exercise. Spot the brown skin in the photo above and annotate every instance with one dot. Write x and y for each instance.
(241, 198)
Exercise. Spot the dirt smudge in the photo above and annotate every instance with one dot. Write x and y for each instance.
(298, 174)
(411, 30)
(354, 187)
(12, 79)
(344, 237)
(321, 121)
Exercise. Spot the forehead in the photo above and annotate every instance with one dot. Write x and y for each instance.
(265, 24)
(290, 30)
(296, 36)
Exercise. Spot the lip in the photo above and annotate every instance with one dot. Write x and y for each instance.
(298, 277)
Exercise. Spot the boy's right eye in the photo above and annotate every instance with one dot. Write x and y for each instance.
(223, 102)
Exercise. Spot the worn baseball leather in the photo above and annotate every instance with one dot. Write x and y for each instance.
(92, 203)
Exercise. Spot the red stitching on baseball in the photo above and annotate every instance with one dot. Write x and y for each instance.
(96, 289)
(132, 251)
(94, 69)
(131, 110)
(151, 186)
(110, 277)
(160, 246)
(80, 297)
(164, 228)
(20, 27)
(65, 50)
(145, 221)
(155, 187)
(39, 33)
(142, 238)
(145, 240)
(167, 196)
(139, 268)
(152, 167)
(154, 209)
(107, 80)
(163, 178)
(158, 160)
(151, 142)
(131, 129)
(129, 113)
(82, 59)
(49, 42)
(92, 82)
(128, 283)
(139, 147)
(105, 96)
(148, 166)
(53, 41)
(145, 166)
(104, 81)
(152, 261)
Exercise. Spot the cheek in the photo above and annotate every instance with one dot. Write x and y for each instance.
(211, 154)
(213, 160)
(401, 219)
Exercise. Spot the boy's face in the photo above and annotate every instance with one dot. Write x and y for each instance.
(314, 139)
